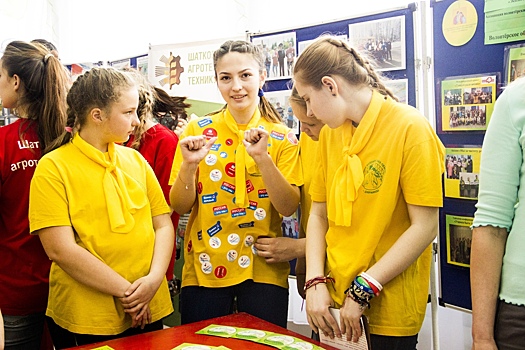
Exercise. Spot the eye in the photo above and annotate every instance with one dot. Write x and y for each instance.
(224, 77)
(246, 75)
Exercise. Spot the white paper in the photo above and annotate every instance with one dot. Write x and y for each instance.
(342, 343)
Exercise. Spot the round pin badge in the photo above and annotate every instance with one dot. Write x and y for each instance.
(215, 175)
(203, 257)
(220, 271)
(234, 239)
(210, 159)
(207, 268)
(231, 255)
(244, 261)
(259, 213)
(248, 241)
(215, 242)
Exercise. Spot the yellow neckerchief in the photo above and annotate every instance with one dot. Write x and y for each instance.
(349, 176)
(124, 195)
(243, 161)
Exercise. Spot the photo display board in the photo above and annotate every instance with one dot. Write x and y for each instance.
(469, 72)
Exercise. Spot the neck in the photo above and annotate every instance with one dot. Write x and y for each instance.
(358, 103)
(93, 138)
(149, 123)
(242, 116)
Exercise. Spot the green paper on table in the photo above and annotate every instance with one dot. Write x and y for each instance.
(190, 346)
(279, 341)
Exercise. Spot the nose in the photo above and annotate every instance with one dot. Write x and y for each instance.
(135, 121)
(237, 84)
(303, 127)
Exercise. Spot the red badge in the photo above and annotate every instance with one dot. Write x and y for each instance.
(190, 244)
(230, 169)
(291, 137)
(199, 187)
(209, 133)
(229, 142)
(220, 272)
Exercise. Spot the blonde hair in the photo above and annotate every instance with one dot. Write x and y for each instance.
(329, 55)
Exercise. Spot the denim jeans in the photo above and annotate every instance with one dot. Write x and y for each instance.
(23, 332)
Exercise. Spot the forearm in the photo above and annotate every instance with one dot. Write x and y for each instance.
(488, 246)
(409, 246)
(164, 241)
(284, 197)
(316, 243)
(183, 192)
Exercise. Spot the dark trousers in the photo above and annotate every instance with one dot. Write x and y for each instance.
(383, 342)
(509, 331)
(62, 338)
(266, 301)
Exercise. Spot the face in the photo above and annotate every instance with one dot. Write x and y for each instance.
(120, 119)
(239, 81)
(311, 126)
(320, 104)
(8, 88)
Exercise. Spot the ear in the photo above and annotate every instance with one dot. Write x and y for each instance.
(262, 78)
(96, 115)
(16, 82)
(330, 84)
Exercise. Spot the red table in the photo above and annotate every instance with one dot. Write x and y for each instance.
(169, 338)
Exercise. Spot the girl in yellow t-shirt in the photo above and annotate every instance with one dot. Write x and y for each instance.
(375, 200)
(239, 171)
(102, 219)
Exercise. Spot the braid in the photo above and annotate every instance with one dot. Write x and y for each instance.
(337, 58)
(144, 112)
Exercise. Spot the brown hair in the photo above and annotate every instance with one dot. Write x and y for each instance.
(268, 112)
(164, 103)
(44, 86)
(96, 88)
(329, 55)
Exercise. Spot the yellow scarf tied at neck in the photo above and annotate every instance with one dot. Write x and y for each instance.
(243, 161)
(124, 195)
(349, 177)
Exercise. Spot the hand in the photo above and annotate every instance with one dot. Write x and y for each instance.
(141, 318)
(139, 294)
(278, 249)
(318, 301)
(195, 148)
(350, 316)
(256, 142)
(484, 344)
(181, 125)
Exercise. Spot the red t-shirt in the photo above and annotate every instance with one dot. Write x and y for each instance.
(24, 265)
(158, 147)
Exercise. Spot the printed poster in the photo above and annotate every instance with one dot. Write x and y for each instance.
(467, 102)
(515, 62)
(505, 24)
(462, 173)
(459, 240)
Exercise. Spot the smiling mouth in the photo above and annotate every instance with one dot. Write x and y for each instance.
(238, 97)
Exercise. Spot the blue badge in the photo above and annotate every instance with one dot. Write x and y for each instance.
(212, 231)
(209, 198)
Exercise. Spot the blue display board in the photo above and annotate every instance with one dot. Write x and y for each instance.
(472, 58)
(340, 27)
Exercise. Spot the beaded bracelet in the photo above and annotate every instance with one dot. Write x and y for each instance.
(316, 280)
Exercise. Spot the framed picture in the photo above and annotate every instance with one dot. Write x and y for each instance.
(462, 172)
(514, 62)
(301, 45)
(280, 100)
(467, 102)
(459, 240)
(279, 53)
(383, 40)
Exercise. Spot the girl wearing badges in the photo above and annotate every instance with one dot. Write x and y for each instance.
(102, 219)
(239, 170)
(35, 84)
(374, 213)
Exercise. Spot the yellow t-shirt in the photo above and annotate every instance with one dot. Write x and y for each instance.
(308, 156)
(66, 190)
(402, 163)
(219, 250)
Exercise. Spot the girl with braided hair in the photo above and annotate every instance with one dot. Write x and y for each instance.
(102, 218)
(34, 84)
(375, 200)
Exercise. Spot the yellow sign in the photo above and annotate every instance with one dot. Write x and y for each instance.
(459, 23)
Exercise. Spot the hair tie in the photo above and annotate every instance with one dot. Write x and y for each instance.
(46, 57)
(261, 93)
(68, 129)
